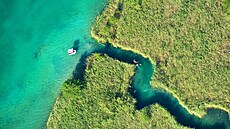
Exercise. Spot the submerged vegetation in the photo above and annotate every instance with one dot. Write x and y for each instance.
(104, 100)
(188, 41)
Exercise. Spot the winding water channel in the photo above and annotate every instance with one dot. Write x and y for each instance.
(34, 36)
(147, 95)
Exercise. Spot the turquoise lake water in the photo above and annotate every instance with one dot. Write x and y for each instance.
(34, 38)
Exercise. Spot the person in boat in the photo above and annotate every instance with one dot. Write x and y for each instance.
(136, 62)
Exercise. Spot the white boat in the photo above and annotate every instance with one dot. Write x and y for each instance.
(71, 51)
(135, 61)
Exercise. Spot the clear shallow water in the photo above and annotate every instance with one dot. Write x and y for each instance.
(34, 38)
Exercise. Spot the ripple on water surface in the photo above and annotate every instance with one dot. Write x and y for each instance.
(34, 38)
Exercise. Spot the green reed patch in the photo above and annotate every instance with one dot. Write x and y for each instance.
(188, 41)
(104, 101)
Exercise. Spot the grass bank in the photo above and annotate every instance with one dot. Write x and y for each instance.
(104, 101)
(187, 40)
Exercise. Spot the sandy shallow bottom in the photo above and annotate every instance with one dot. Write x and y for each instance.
(34, 38)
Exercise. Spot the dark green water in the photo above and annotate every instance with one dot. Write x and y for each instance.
(34, 38)
(146, 95)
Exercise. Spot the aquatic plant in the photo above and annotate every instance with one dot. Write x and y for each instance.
(105, 101)
(187, 40)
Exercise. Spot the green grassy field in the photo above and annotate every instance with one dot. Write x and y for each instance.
(189, 41)
(104, 101)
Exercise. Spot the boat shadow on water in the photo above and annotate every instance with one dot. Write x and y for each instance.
(146, 95)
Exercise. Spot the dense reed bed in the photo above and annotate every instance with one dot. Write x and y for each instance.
(187, 40)
(104, 100)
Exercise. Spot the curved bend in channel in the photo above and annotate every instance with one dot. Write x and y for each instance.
(147, 95)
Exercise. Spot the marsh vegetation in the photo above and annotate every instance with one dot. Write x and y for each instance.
(188, 41)
(104, 100)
